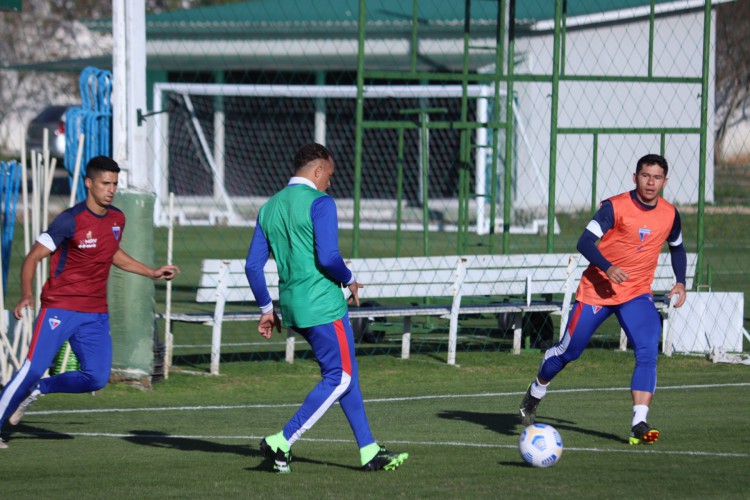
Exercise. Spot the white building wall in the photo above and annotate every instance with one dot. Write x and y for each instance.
(614, 50)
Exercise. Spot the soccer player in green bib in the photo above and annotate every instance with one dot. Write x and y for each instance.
(299, 226)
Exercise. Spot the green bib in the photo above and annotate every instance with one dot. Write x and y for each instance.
(308, 297)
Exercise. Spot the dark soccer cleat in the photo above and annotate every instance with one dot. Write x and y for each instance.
(527, 411)
(642, 433)
(280, 459)
(385, 460)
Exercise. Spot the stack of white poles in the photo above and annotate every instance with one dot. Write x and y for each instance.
(35, 212)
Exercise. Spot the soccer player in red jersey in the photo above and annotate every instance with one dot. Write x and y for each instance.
(632, 228)
(84, 242)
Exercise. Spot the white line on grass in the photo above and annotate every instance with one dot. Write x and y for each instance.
(416, 443)
(370, 401)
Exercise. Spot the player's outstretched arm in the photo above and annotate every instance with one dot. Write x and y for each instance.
(679, 290)
(127, 263)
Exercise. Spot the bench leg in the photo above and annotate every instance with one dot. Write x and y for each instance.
(289, 346)
(406, 338)
(215, 347)
(517, 334)
(623, 340)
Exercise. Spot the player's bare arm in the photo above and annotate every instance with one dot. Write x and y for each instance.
(127, 263)
(37, 253)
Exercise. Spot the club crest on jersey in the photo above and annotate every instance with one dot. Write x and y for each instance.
(54, 323)
(643, 234)
(596, 309)
(116, 231)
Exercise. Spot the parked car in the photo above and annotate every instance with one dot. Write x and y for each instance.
(51, 118)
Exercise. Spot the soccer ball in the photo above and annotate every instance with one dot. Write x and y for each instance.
(540, 445)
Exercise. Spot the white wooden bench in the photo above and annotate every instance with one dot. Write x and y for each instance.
(535, 278)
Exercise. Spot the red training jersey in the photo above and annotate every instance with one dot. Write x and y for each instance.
(83, 245)
(633, 244)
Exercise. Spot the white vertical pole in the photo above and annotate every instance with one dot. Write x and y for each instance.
(320, 112)
(480, 165)
(136, 39)
(160, 178)
(77, 170)
(25, 197)
(119, 87)
(219, 148)
(36, 182)
(168, 338)
(129, 92)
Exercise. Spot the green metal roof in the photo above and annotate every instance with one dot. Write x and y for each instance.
(339, 17)
(283, 21)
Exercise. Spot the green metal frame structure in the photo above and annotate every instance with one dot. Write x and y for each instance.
(505, 74)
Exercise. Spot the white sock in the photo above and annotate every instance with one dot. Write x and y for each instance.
(640, 412)
(538, 390)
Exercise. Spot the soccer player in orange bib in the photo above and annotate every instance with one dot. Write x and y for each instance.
(632, 228)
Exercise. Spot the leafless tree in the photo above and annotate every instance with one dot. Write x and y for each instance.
(732, 66)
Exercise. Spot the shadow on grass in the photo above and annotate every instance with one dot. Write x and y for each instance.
(159, 439)
(25, 431)
(437, 349)
(508, 424)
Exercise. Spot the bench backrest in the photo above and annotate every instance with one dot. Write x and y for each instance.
(237, 289)
(417, 277)
(482, 275)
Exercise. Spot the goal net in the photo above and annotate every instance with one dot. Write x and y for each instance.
(224, 149)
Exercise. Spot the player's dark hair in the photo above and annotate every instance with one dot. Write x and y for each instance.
(100, 164)
(652, 159)
(310, 152)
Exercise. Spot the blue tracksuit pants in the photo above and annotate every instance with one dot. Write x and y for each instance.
(333, 346)
(90, 340)
(639, 319)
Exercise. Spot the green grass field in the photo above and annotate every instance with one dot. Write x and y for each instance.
(197, 436)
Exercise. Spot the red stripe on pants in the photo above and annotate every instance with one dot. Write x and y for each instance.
(35, 337)
(346, 362)
(574, 319)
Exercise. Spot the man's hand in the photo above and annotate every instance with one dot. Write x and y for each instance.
(617, 274)
(166, 272)
(267, 323)
(354, 289)
(25, 302)
(679, 290)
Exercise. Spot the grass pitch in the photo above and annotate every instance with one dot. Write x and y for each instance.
(197, 436)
